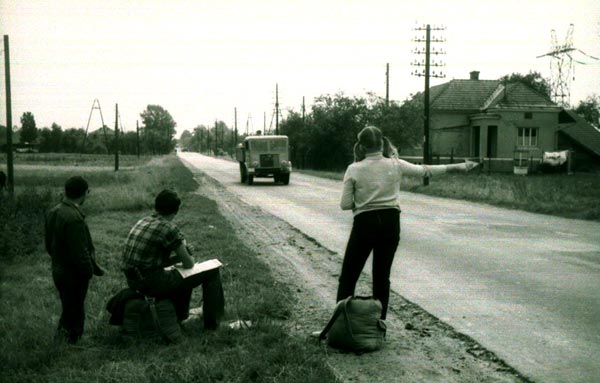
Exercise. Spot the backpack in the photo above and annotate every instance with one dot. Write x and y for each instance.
(148, 318)
(356, 325)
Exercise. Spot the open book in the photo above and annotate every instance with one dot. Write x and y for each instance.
(199, 267)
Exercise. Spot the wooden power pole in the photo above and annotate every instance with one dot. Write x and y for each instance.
(235, 135)
(9, 149)
(387, 84)
(137, 138)
(426, 73)
(276, 109)
(116, 137)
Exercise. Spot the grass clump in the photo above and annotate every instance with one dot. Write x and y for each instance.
(265, 352)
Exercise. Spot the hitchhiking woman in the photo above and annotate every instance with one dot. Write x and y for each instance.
(371, 190)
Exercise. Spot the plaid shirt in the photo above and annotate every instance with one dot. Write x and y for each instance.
(150, 242)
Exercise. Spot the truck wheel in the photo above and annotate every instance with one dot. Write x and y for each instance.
(249, 179)
(285, 178)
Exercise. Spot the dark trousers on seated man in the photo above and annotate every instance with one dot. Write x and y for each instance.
(162, 284)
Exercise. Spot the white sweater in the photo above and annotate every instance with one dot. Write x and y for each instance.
(374, 183)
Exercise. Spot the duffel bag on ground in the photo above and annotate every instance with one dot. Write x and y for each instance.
(148, 318)
(356, 325)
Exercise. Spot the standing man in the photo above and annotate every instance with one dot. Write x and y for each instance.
(148, 250)
(70, 246)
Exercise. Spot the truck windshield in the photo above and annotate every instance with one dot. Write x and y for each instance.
(278, 145)
(259, 145)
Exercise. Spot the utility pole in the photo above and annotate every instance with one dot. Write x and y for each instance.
(216, 137)
(9, 149)
(137, 138)
(264, 122)
(276, 109)
(425, 73)
(387, 84)
(208, 140)
(303, 110)
(235, 136)
(116, 137)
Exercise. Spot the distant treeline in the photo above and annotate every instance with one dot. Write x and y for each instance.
(57, 140)
(323, 138)
(156, 136)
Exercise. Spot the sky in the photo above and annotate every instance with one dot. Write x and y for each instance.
(201, 59)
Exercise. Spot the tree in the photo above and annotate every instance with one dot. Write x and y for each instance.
(185, 140)
(29, 131)
(589, 109)
(335, 123)
(533, 79)
(198, 142)
(158, 129)
(401, 123)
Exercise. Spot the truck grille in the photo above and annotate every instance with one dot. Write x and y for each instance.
(269, 160)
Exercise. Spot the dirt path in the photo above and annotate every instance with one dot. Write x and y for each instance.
(419, 347)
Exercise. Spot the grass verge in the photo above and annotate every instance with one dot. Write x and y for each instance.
(571, 196)
(263, 353)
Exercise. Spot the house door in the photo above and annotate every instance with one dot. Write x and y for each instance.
(492, 142)
(475, 141)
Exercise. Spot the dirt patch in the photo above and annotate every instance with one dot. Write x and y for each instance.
(419, 347)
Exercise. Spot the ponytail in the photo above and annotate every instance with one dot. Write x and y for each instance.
(389, 150)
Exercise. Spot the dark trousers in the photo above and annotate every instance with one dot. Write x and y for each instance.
(72, 291)
(170, 285)
(377, 231)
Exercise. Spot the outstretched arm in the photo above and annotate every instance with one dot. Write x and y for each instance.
(431, 170)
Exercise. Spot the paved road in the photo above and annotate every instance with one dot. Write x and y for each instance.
(525, 286)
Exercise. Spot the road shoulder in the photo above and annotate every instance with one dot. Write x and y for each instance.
(419, 347)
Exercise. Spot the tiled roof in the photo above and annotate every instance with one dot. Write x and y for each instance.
(582, 132)
(474, 95)
(516, 94)
(461, 94)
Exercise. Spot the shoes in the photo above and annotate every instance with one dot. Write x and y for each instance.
(315, 334)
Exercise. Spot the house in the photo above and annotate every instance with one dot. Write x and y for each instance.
(500, 123)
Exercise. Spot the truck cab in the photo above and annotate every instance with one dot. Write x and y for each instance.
(264, 157)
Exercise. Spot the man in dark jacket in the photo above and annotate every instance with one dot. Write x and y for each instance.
(70, 246)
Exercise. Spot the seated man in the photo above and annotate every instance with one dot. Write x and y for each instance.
(148, 251)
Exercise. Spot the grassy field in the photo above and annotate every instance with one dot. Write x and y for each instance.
(572, 196)
(263, 353)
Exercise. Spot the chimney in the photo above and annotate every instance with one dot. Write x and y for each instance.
(474, 75)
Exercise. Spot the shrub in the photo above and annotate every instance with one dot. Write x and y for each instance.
(22, 221)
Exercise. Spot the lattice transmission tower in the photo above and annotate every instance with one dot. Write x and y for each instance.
(561, 67)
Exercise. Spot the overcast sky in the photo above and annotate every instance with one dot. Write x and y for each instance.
(200, 59)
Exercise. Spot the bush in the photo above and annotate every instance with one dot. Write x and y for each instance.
(22, 222)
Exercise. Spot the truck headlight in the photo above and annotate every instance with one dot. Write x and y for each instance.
(255, 164)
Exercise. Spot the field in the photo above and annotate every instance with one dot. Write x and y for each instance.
(265, 352)
(571, 196)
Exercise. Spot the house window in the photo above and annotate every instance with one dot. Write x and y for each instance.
(528, 115)
(527, 137)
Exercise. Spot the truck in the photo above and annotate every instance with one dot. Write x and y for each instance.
(264, 156)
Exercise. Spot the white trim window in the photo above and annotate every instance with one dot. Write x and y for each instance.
(527, 136)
